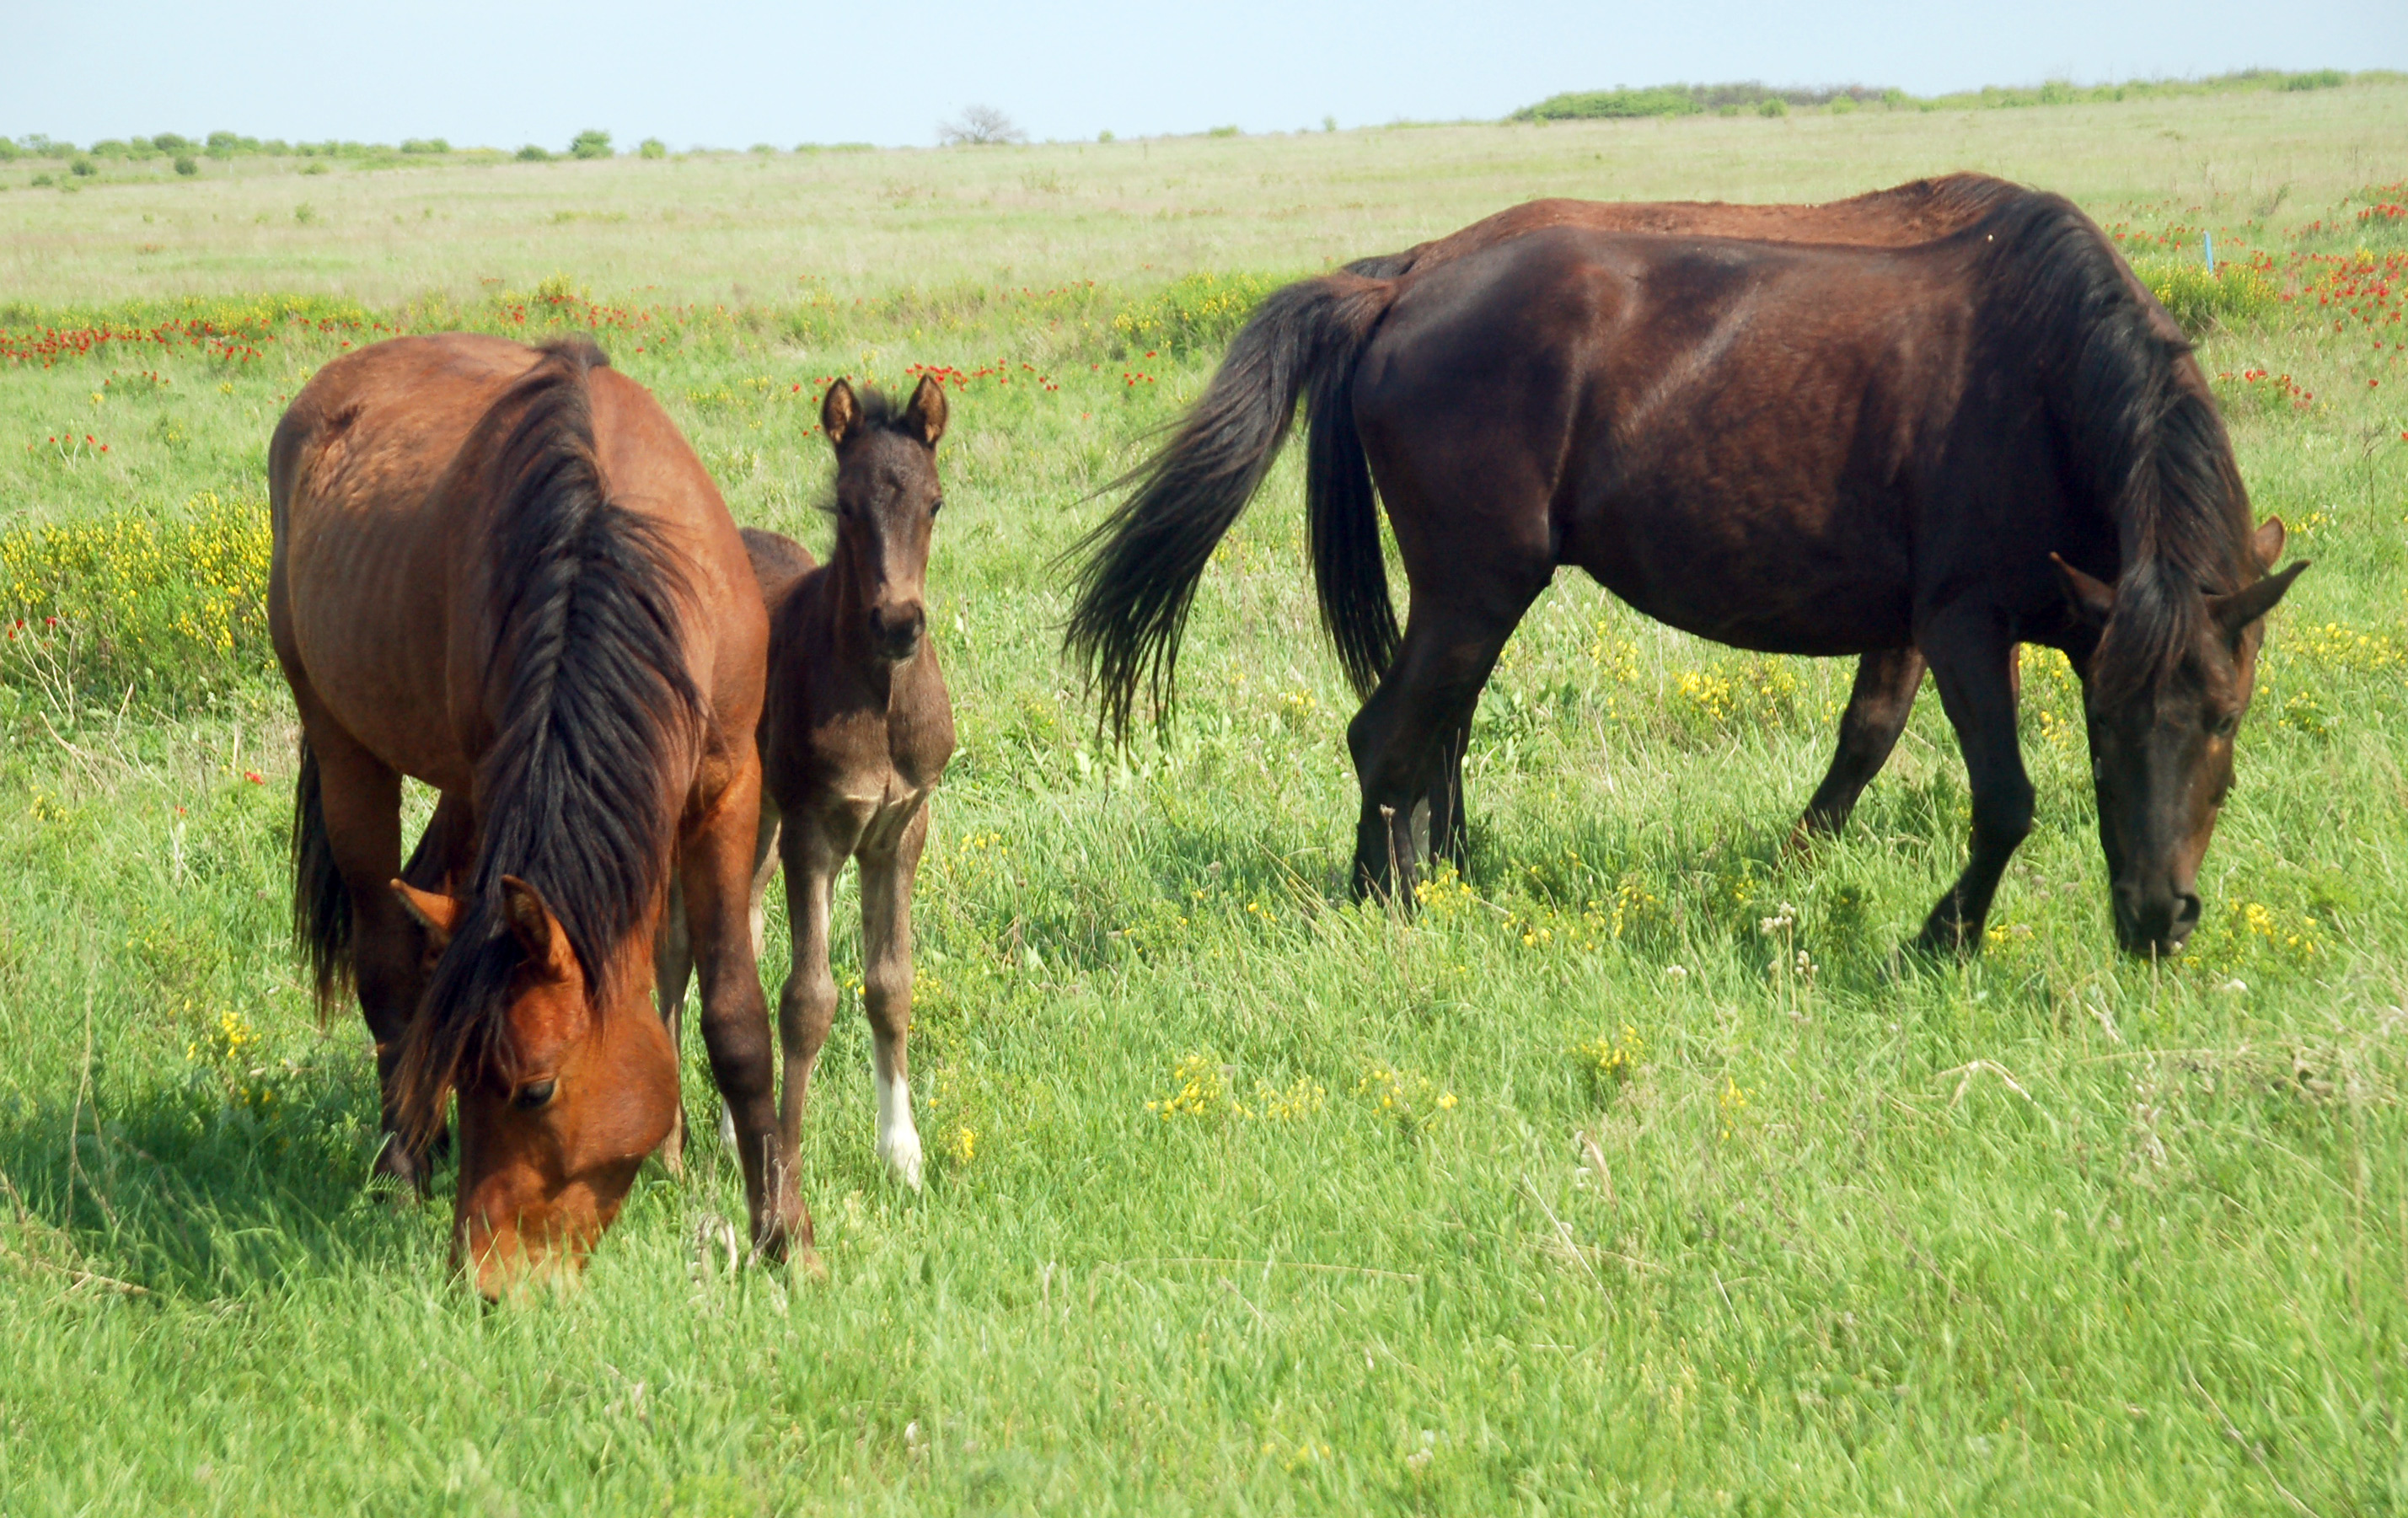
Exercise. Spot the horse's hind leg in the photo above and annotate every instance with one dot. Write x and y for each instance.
(1973, 664)
(1429, 693)
(1878, 707)
(1449, 834)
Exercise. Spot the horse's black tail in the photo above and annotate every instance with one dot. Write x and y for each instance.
(1142, 563)
(322, 904)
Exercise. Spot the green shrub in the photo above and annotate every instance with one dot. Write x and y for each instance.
(173, 142)
(2234, 294)
(185, 164)
(590, 143)
(1201, 312)
(426, 145)
(83, 168)
(652, 147)
(1593, 105)
(1773, 105)
(2322, 79)
(533, 154)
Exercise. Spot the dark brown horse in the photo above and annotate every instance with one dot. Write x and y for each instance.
(1887, 679)
(501, 570)
(856, 732)
(1943, 447)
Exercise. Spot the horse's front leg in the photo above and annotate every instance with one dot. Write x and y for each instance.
(807, 1005)
(1877, 707)
(1973, 662)
(715, 871)
(888, 868)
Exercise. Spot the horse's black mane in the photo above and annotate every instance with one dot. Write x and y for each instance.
(581, 790)
(2143, 434)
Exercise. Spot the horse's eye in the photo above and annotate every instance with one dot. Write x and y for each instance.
(935, 506)
(2226, 726)
(534, 1095)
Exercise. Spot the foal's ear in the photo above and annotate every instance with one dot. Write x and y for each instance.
(2092, 599)
(840, 413)
(2239, 609)
(435, 915)
(926, 413)
(530, 922)
(2266, 542)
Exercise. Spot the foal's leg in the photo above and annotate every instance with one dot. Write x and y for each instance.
(1428, 691)
(1973, 662)
(889, 864)
(807, 1005)
(715, 869)
(1878, 707)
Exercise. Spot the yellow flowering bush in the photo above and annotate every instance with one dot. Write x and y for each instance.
(1199, 312)
(1609, 1060)
(136, 598)
(1409, 1099)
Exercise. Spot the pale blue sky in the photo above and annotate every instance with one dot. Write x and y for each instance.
(730, 73)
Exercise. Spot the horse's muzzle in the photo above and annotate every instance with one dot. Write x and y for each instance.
(2155, 923)
(895, 631)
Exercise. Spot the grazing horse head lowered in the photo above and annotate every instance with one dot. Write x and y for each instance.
(503, 572)
(1921, 427)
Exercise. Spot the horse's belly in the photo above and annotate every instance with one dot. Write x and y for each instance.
(1753, 580)
(367, 625)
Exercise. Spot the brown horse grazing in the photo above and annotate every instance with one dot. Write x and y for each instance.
(502, 571)
(1944, 447)
(856, 732)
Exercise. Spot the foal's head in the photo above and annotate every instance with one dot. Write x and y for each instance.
(2163, 698)
(887, 498)
(556, 1118)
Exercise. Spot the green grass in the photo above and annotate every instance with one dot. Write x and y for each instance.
(1581, 1191)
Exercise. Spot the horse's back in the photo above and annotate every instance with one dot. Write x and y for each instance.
(777, 562)
(1681, 416)
(1905, 215)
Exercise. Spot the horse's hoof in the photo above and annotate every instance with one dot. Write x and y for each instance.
(901, 1152)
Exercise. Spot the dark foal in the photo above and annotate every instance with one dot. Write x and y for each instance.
(1933, 451)
(856, 732)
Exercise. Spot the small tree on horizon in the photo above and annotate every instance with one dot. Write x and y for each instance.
(590, 143)
(979, 125)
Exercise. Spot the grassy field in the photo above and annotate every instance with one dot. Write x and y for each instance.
(1634, 1174)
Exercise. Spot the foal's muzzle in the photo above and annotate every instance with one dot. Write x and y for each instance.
(895, 630)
